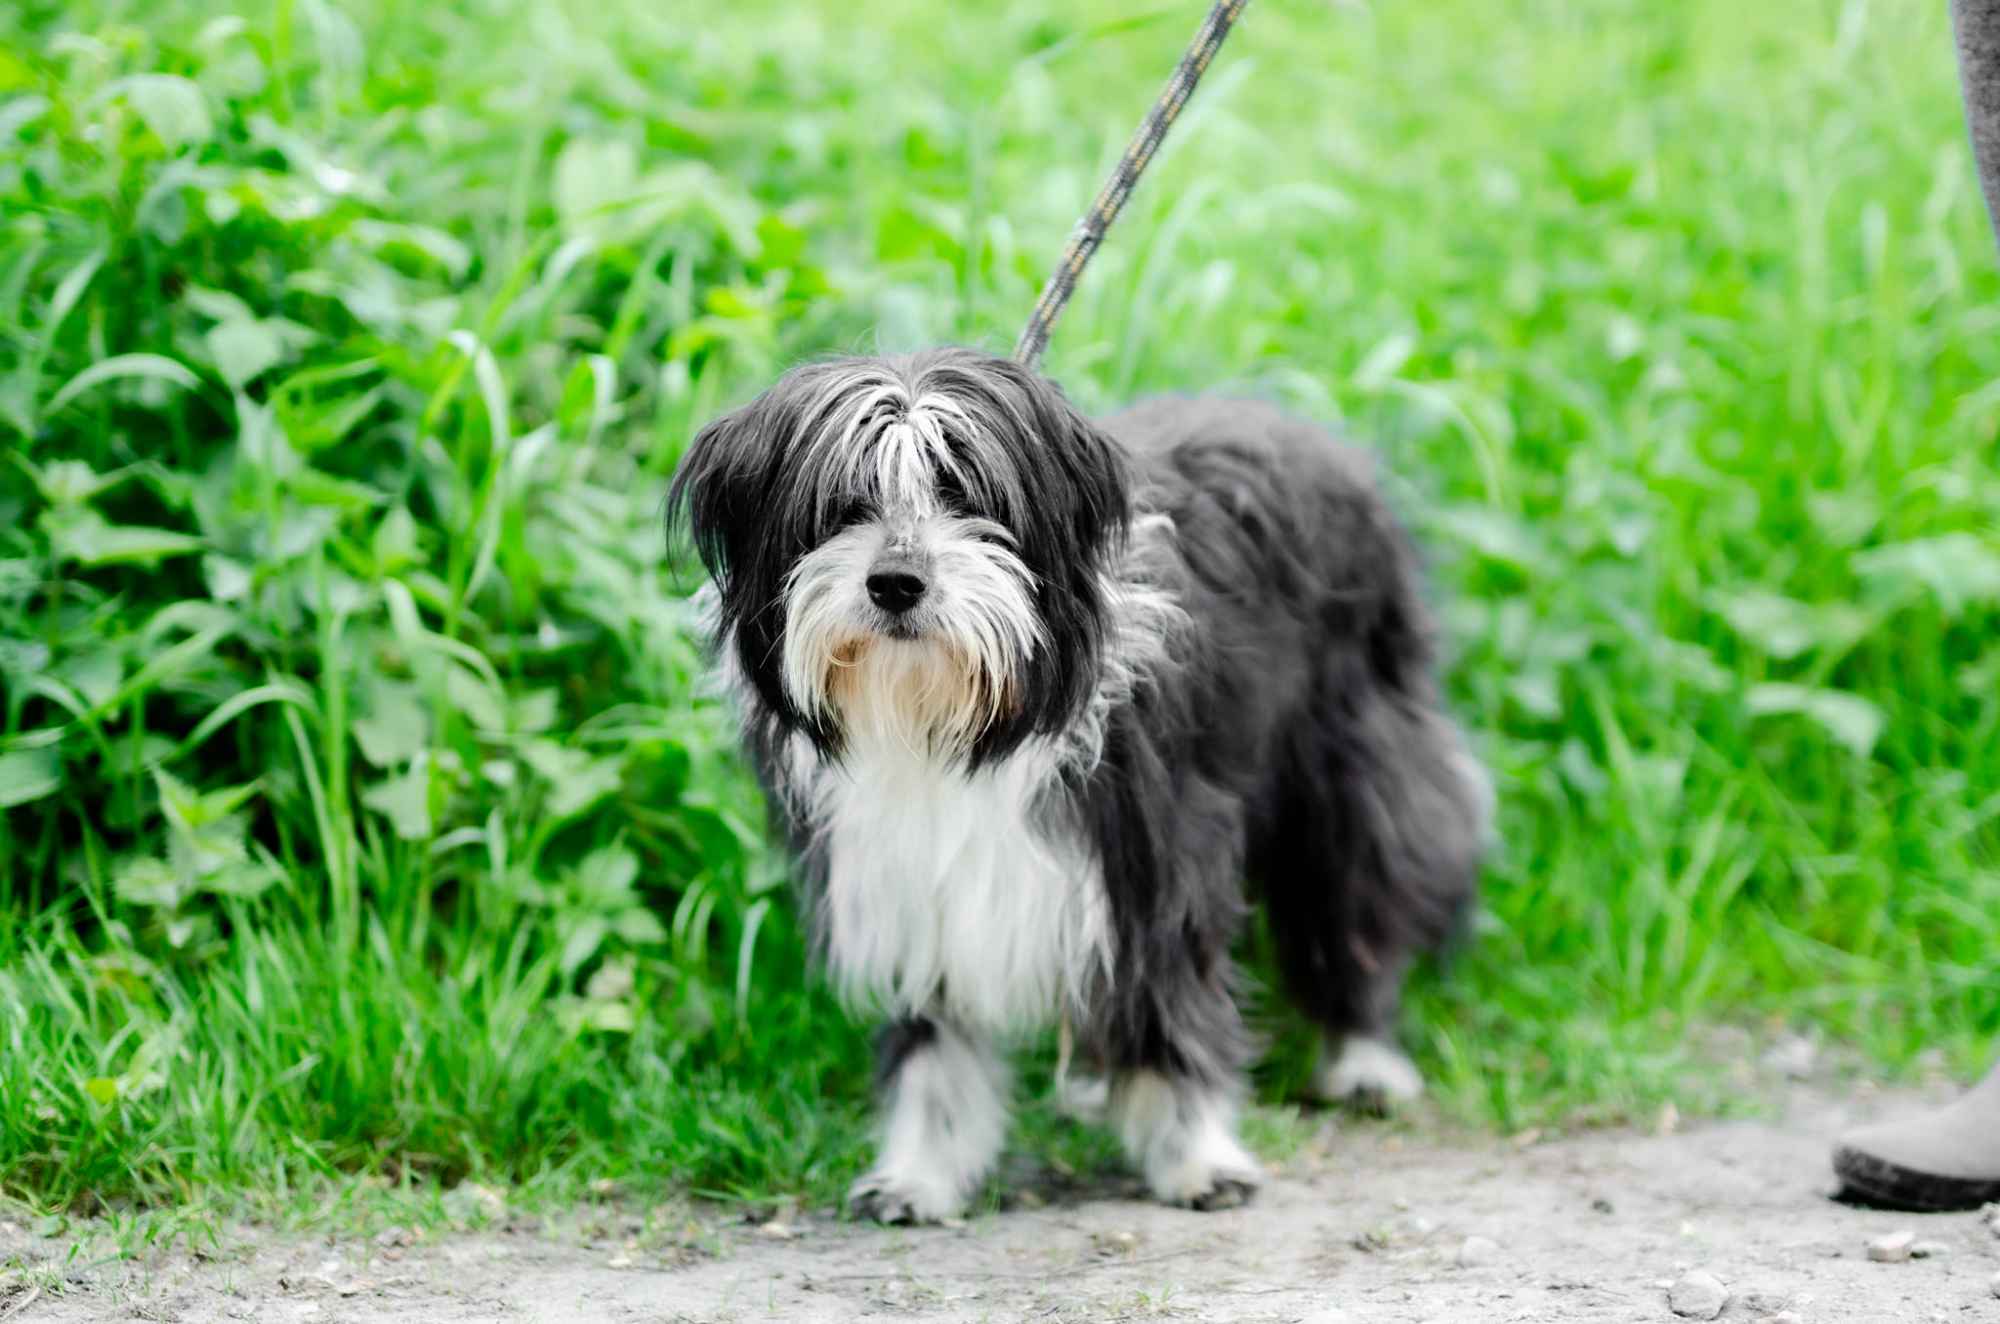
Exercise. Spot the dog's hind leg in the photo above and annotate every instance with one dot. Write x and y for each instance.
(1367, 855)
(944, 1119)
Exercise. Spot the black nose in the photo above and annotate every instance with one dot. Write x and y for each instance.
(896, 591)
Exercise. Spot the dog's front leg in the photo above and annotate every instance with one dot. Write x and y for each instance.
(1182, 1135)
(944, 1117)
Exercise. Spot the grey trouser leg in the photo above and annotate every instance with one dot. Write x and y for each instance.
(1948, 1158)
(1977, 26)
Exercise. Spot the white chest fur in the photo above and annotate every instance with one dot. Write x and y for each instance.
(944, 892)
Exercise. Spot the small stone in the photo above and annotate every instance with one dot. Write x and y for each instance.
(1764, 1301)
(1892, 1248)
(1475, 1251)
(1928, 1250)
(1793, 1056)
(1783, 1317)
(1995, 1284)
(1370, 1240)
(1698, 1295)
(1115, 1243)
(777, 1230)
(619, 1262)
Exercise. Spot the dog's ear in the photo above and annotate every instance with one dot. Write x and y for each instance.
(1071, 480)
(1087, 470)
(718, 488)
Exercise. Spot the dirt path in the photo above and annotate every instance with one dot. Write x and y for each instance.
(1369, 1228)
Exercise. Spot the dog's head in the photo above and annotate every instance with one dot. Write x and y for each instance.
(910, 551)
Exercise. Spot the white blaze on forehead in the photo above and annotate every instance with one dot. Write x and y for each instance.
(907, 459)
(870, 438)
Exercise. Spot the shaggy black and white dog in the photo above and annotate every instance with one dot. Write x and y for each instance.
(1039, 700)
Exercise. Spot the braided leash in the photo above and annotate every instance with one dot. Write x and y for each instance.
(1089, 232)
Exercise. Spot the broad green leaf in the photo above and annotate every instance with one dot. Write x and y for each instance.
(1385, 361)
(591, 174)
(29, 774)
(576, 780)
(103, 1089)
(71, 290)
(397, 727)
(535, 710)
(22, 658)
(124, 367)
(173, 108)
(1494, 534)
(95, 673)
(19, 578)
(586, 935)
(1960, 569)
(191, 810)
(242, 349)
(612, 980)
(395, 545)
(484, 708)
(140, 758)
(246, 879)
(73, 482)
(610, 1017)
(228, 580)
(1850, 719)
(1785, 628)
(606, 876)
(218, 305)
(405, 801)
(146, 880)
(639, 926)
(1538, 691)
(85, 537)
(19, 112)
(432, 243)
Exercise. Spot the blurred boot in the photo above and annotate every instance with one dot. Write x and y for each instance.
(1937, 1161)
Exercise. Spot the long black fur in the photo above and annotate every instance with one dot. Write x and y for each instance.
(1292, 739)
(1298, 742)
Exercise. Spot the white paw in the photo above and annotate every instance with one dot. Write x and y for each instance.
(1367, 1072)
(1207, 1186)
(1184, 1138)
(889, 1198)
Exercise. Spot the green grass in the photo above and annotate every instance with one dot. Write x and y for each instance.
(360, 810)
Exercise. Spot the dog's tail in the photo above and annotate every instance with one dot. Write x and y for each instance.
(1377, 818)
